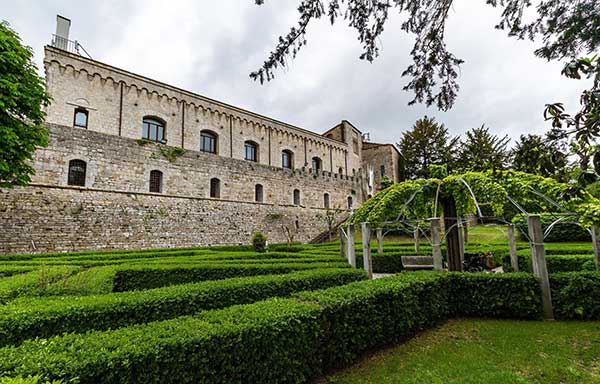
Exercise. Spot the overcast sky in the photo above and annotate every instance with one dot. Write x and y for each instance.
(210, 47)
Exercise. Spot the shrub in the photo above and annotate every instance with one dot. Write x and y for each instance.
(33, 283)
(259, 242)
(561, 232)
(267, 342)
(26, 319)
(361, 316)
(576, 296)
(386, 263)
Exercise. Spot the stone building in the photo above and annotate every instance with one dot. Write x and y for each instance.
(136, 163)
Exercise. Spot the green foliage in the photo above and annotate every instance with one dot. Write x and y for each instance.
(266, 342)
(576, 296)
(259, 242)
(427, 143)
(482, 151)
(26, 380)
(511, 295)
(34, 283)
(386, 182)
(536, 155)
(22, 98)
(171, 153)
(562, 232)
(45, 317)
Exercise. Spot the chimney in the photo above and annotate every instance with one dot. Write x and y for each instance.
(61, 38)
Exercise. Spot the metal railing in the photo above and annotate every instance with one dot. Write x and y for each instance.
(69, 45)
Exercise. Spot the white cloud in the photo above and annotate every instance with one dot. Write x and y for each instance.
(211, 47)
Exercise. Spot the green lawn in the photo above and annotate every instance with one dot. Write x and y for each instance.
(487, 351)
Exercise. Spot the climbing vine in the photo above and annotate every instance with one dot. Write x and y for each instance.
(415, 199)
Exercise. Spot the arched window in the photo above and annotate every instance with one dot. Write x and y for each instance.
(153, 129)
(258, 193)
(287, 159)
(156, 179)
(215, 188)
(80, 119)
(296, 197)
(251, 151)
(349, 202)
(341, 171)
(317, 165)
(208, 142)
(77, 169)
(326, 200)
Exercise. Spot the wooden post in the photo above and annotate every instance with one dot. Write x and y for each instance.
(436, 244)
(379, 241)
(512, 245)
(596, 243)
(538, 257)
(351, 254)
(417, 240)
(466, 231)
(452, 236)
(461, 242)
(366, 241)
(343, 246)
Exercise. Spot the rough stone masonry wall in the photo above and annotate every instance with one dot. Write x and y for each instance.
(115, 209)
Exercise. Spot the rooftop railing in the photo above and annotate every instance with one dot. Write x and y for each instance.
(65, 44)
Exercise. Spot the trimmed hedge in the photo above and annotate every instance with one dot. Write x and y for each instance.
(27, 319)
(267, 342)
(291, 340)
(133, 277)
(360, 316)
(26, 380)
(576, 296)
(557, 263)
(34, 283)
(386, 263)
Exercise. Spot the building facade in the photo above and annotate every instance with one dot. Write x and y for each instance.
(136, 163)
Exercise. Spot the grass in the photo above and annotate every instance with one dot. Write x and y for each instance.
(487, 351)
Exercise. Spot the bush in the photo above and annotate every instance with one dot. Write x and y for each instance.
(558, 263)
(27, 319)
(576, 296)
(292, 340)
(561, 232)
(130, 278)
(267, 342)
(259, 242)
(386, 263)
(364, 315)
(33, 283)
(514, 295)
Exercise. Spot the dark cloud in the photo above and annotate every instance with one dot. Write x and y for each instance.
(211, 47)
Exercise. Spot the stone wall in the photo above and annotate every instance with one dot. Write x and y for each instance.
(116, 210)
(378, 155)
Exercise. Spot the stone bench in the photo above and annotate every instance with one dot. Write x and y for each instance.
(417, 262)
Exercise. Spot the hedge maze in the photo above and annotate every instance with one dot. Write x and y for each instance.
(230, 315)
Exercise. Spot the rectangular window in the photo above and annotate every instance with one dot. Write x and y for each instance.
(382, 169)
(80, 120)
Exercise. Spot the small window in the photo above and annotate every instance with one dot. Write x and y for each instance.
(355, 145)
(215, 188)
(287, 158)
(326, 200)
(77, 170)
(156, 179)
(296, 197)
(382, 170)
(251, 149)
(349, 202)
(341, 171)
(153, 129)
(258, 193)
(80, 119)
(208, 142)
(317, 165)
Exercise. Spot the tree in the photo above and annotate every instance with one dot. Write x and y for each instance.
(22, 98)
(427, 143)
(536, 155)
(483, 150)
(330, 217)
(566, 28)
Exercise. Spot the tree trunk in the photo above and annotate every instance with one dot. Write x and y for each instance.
(452, 237)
